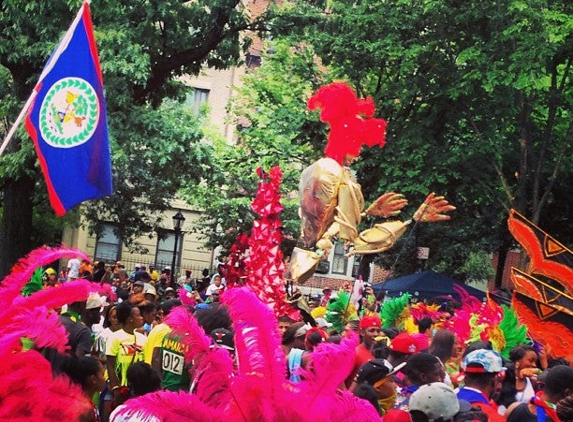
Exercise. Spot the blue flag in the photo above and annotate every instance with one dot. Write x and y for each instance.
(68, 122)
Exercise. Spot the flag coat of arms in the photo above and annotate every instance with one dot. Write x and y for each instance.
(68, 122)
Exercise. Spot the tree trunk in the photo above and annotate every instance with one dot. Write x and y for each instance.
(16, 225)
(504, 247)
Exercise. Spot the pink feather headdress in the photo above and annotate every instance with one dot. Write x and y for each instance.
(350, 120)
(28, 390)
(258, 389)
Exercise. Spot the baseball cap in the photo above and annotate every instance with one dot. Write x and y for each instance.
(95, 301)
(376, 369)
(139, 283)
(169, 289)
(149, 289)
(322, 323)
(50, 271)
(223, 338)
(483, 361)
(370, 321)
(404, 343)
(435, 400)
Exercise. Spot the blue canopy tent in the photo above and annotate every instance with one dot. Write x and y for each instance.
(425, 285)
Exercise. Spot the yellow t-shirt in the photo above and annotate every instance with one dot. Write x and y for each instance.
(127, 349)
(154, 339)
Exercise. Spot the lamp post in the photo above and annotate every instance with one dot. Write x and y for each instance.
(178, 220)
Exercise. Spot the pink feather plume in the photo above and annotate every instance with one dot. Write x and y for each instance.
(256, 336)
(22, 271)
(169, 406)
(56, 297)
(28, 392)
(212, 369)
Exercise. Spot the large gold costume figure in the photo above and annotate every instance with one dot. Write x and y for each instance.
(331, 201)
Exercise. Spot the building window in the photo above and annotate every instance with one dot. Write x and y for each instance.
(108, 245)
(165, 247)
(196, 99)
(339, 261)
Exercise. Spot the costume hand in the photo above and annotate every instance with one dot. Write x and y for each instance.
(433, 209)
(387, 205)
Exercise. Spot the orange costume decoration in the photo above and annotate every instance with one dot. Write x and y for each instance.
(543, 296)
(331, 201)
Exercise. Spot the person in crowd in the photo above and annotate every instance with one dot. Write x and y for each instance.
(136, 269)
(369, 330)
(150, 293)
(424, 336)
(154, 273)
(378, 374)
(565, 409)
(294, 349)
(314, 336)
(401, 348)
(99, 271)
(124, 347)
(169, 293)
(148, 312)
(73, 268)
(284, 323)
(446, 347)
(174, 366)
(352, 326)
(558, 384)
(141, 379)
(323, 324)
(137, 287)
(110, 325)
(142, 275)
(50, 278)
(216, 286)
(420, 369)
(151, 350)
(434, 402)
(89, 374)
(185, 279)
(483, 371)
(120, 272)
(520, 377)
(85, 267)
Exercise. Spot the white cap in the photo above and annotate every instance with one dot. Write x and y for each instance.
(435, 400)
(95, 301)
(322, 323)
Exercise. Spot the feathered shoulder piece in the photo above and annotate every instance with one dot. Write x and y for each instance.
(392, 310)
(350, 120)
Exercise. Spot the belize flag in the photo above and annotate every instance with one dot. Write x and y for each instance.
(68, 122)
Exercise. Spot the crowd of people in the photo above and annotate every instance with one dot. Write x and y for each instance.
(121, 347)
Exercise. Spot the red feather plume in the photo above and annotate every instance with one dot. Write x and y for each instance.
(349, 118)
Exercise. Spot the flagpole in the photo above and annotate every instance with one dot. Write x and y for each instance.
(61, 47)
(17, 122)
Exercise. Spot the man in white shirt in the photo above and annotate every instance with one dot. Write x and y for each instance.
(74, 268)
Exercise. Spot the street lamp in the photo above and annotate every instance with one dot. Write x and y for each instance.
(178, 220)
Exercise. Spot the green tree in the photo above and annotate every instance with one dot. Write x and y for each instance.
(478, 103)
(275, 128)
(144, 48)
